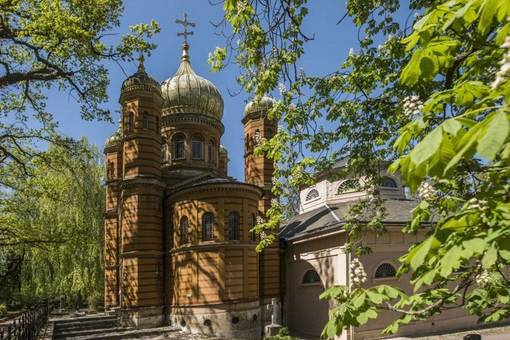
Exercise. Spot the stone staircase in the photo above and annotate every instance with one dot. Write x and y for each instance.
(106, 327)
(87, 327)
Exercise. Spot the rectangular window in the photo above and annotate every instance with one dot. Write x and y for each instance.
(179, 149)
(196, 149)
(145, 120)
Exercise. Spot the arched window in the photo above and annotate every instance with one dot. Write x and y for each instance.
(312, 194)
(349, 185)
(178, 143)
(253, 222)
(311, 276)
(388, 182)
(233, 226)
(111, 169)
(196, 148)
(385, 270)
(184, 229)
(145, 120)
(130, 122)
(157, 124)
(257, 137)
(207, 227)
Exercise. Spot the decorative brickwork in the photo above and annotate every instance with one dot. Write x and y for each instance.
(178, 246)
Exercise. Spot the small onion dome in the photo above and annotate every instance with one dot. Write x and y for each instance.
(116, 138)
(264, 104)
(187, 92)
(140, 81)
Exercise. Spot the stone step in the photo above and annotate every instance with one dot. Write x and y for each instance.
(86, 318)
(87, 324)
(91, 333)
(82, 325)
(133, 333)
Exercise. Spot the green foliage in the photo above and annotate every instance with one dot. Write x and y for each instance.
(283, 334)
(59, 45)
(3, 310)
(454, 64)
(53, 222)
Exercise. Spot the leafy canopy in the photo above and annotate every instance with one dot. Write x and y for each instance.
(53, 224)
(433, 97)
(60, 45)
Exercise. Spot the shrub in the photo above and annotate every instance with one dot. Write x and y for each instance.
(3, 310)
(283, 334)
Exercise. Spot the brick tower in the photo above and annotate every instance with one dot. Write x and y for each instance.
(259, 171)
(113, 160)
(141, 226)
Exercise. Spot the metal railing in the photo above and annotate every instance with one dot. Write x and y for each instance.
(28, 324)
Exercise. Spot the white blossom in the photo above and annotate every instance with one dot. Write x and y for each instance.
(475, 203)
(412, 106)
(483, 278)
(282, 89)
(504, 71)
(260, 220)
(426, 191)
(357, 274)
(301, 73)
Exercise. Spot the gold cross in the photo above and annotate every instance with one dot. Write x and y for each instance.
(185, 23)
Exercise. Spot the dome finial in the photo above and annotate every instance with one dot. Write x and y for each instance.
(185, 47)
(185, 52)
(141, 66)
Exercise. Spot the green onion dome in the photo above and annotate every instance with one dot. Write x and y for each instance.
(140, 81)
(187, 92)
(264, 104)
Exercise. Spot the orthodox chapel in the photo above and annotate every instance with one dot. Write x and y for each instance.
(178, 247)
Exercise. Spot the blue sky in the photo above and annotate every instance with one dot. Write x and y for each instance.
(323, 55)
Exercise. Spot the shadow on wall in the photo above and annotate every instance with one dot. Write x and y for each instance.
(307, 315)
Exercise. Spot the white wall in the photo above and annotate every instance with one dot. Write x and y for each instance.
(328, 193)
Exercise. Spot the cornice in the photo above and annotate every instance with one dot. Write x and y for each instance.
(210, 187)
(213, 245)
(172, 119)
(141, 180)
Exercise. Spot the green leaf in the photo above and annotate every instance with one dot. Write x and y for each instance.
(467, 92)
(477, 245)
(490, 257)
(505, 254)
(494, 134)
(450, 261)
(374, 297)
(359, 300)
(487, 13)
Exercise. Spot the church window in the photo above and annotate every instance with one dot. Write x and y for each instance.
(233, 226)
(310, 277)
(385, 270)
(157, 124)
(196, 148)
(111, 169)
(207, 227)
(312, 194)
(211, 151)
(130, 122)
(253, 222)
(184, 230)
(349, 185)
(179, 142)
(145, 120)
(388, 182)
(257, 137)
